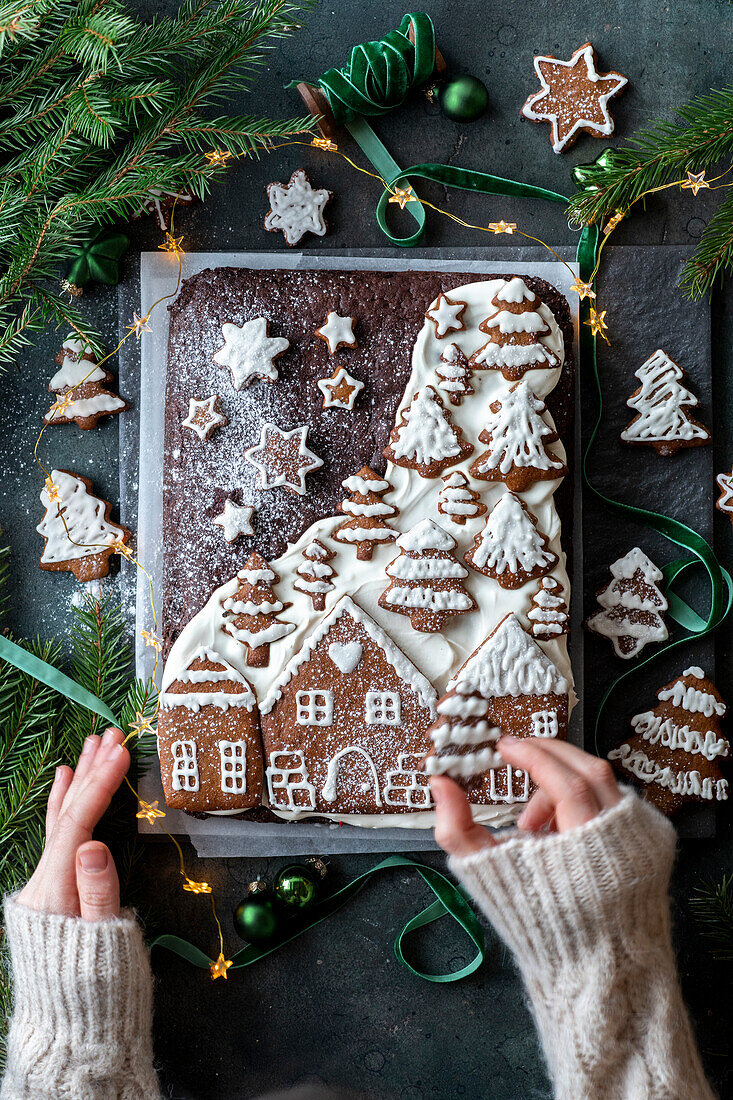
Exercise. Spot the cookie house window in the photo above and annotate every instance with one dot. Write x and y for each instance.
(287, 782)
(314, 708)
(382, 708)
(407, 786)
(233, 756)
(185, 767)
(544, 723)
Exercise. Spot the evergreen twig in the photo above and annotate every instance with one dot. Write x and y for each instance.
(712, 905)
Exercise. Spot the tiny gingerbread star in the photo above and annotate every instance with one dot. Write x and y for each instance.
(338, 332)
(296, 208)
(235, 520)
(204, 416)
(219, 968)
(694, 182)
(446, 315)
(282, 458)
(340, 391)
(574, 97)
(725, 501)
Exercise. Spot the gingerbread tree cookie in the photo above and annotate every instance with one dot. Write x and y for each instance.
(80, 385)
(510, 548)
(427, 580)
(574, 97)
(518, 334)
(250, 615)
(457, 500)
(368, 513)
(454, 374)
(548, 615)
(79, 535)
(661, 403)
(632, 605)
(425, 439)
(314, 574)
(518, 435)
(676, 748)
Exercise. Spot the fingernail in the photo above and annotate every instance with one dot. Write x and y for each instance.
(109, 736)
(88, 742)
(93, 859)
(508, 739)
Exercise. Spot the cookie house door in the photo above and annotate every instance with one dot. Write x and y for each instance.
(351, 778)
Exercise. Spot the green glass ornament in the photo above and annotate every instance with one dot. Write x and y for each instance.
(255, 918)
(583, 173)
(296, 887)
(98, 259)
(464, 99)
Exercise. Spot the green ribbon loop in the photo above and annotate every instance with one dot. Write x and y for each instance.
(450, 901)
(53, 678)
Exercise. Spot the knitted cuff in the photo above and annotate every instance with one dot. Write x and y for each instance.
(82, 1002)
(553, 897)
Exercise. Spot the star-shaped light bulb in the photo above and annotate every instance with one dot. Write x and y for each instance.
(597, 323)
(149, 811)
(52, 492)
(192, 887)
(694, 182)
(141, 724)
(502, 227)
(583, 290)
(172, 245)
(119, 546)
(139, 324)
(403, 195)
(325, 143)
(151, 639)
(218, 156)
(219, 968)
(60, 406)
(613, 222)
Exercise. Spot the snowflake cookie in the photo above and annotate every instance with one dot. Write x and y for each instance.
(204, 416)
(250, 352)
(574, 97)
(340, 391)
(338, 332)
(282, 458)
(296, 208)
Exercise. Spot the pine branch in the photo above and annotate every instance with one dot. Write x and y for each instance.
(713, 255)
(712, 905)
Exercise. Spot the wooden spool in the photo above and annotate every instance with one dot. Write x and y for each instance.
(318, 106)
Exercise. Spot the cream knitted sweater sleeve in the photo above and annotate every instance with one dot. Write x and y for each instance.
(586, 914)
(83, 1007)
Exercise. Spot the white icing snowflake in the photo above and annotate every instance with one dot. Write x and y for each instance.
(296, 208)
(340, 391)
(282, 458)
(235, 520)
(338, 332)
(446, 315)
(203, 416)
(250, 352)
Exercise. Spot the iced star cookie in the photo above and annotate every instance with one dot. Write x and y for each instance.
(296, 208)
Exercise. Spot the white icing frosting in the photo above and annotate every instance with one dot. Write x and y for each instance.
(88, 530)
(330, 792)
(211, 417)
(515, 291)
(357, 484)
(328, 385)
(465, 765)
(725, 502)
(249, 352)
(438, 655)
(510, 541)
(75, 369)
(345, 655)
(683, 783)
(660, 404)
(297, 208)
(88, 406)
(462, 733)
(337, 332)
(454, 374)
(273, 437)
(692, 699)
(426, 535)
(655, 728)
(518, 431)
(235, 520)
(459, 705)
(548, 613)
(455, 498)
(426, 435)
(445, 314)
(510, 662)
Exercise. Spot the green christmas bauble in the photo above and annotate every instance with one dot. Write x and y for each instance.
(583, 174)
(296, 887)
(255, 918)
(464, 99)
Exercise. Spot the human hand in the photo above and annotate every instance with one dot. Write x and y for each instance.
(573, 787)
(76, 875)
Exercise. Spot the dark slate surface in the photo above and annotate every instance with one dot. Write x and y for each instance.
(336, 1006)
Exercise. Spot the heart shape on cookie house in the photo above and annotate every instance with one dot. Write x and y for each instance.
(345, 655)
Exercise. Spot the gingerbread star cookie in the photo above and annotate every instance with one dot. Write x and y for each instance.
(338, 332)
(296, 208)
(447, 315)
(574, 97)
(235, 520)
(250, 352)
(282, 458)
(204, 416)
(340, 391)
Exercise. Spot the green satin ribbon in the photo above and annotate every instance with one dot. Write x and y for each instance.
(450, 901)
(53, 678)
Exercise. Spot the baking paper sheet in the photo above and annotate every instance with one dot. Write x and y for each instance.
(142, 479)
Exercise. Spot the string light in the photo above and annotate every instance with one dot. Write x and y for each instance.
(695, 183)
(583, 290)
(403, 195)
(325, 143)
(192, 887)
(172, 245)
(502, 227)
(597, 323)
(151, 639)
(52, 491)
(219, 968)
(119, 546)
(149, 811)
(141, 724)
(139, 325)
(218, 156)
(62, 404)
(613, 222)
